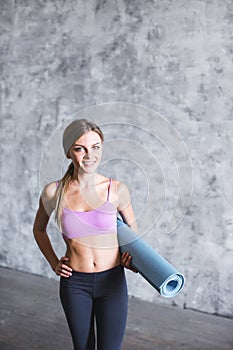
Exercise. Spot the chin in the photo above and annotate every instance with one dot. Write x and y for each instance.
(90, 170)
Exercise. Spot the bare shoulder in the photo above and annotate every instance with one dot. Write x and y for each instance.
(48, 196)
(49, 191)
(121, 187)
(103, 181)
(121, 191)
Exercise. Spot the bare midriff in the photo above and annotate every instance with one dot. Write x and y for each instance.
(93, 253)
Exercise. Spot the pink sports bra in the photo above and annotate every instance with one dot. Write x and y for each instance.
(102, 220)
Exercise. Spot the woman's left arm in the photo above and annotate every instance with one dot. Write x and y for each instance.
(126, 210)
(125, 207)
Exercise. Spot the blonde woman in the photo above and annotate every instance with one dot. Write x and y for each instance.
(92, 279)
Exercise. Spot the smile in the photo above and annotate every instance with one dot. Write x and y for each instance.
(88, 163)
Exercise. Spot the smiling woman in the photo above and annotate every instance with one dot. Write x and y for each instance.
(92, 279)
(88, 153)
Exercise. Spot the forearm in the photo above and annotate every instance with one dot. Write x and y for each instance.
(134, 227)
(46, 248)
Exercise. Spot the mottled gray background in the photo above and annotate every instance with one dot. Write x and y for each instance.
(173, 57)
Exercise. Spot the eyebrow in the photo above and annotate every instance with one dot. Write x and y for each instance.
(76, 144)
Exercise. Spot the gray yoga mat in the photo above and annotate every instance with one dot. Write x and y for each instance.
(152, 266)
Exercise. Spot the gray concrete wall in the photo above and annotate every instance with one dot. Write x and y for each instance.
(174, 57)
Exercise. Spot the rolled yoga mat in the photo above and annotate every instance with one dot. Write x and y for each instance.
(152, 266)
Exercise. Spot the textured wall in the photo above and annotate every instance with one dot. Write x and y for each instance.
(172, 56)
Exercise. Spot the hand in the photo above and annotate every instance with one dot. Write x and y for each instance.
(126, 259)
(61, 269)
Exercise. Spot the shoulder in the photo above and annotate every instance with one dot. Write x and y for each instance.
(47, 199)
(121, 190)
(104, 180)
(121, 186)
(49, 191)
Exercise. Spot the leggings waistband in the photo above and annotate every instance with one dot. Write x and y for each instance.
(116, 268)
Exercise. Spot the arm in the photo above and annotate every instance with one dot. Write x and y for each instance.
(126, 210)
(125, 207)
(46, 206)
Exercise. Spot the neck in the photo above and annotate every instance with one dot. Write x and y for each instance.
(84, 179)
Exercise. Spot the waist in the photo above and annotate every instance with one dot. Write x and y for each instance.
(91, 260)
(98, 273)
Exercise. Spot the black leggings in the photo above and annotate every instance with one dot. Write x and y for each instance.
(102, 296)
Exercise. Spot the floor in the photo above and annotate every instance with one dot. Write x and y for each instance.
(31, 317)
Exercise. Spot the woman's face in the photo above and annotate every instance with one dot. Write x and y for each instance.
(86, 152)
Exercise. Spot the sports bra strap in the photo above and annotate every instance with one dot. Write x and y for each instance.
(109, 188)
(57, 183)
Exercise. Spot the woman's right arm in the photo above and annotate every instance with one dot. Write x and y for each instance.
(46, 206)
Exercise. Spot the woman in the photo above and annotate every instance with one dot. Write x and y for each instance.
(92, 279)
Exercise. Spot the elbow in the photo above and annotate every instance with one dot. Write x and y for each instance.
(133, 226)
(37, 231)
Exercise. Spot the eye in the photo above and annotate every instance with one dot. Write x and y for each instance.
(78, 149)
(96, 147)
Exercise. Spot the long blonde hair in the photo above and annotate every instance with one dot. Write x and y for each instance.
(77, 128)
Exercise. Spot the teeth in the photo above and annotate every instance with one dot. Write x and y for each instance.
(88, 162)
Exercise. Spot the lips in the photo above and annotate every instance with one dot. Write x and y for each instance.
(89, 163)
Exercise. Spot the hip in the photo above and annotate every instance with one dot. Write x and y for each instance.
(97, 284)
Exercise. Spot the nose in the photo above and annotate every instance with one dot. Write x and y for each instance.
(88, 151)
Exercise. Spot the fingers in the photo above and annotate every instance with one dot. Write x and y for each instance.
(62, 269)
(126, 260)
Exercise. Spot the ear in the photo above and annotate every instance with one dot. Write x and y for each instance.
(68, 155)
